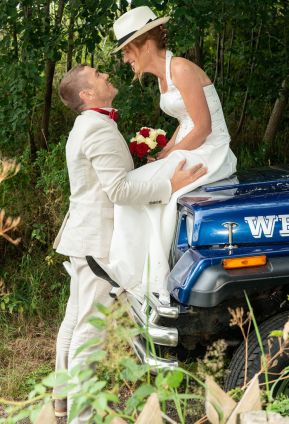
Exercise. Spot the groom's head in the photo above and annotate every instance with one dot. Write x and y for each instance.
(84, 87)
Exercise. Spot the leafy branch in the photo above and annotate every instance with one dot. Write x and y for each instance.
(8, 169)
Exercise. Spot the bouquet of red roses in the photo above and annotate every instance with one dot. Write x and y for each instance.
(147, 142)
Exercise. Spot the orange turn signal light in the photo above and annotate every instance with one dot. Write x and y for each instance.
(244, 262)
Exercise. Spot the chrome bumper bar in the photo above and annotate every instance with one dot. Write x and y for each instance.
(146, 357)
(147, 315)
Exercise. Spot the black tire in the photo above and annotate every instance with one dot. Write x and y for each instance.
(235, 378)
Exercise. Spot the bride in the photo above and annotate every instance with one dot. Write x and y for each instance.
(142, 238)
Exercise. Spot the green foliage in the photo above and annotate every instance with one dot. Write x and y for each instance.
(213, 362)
(280, 405)
(34, 287)
(34, 378)
(263, 356)
(53, 176)
(30, 37)
(243, 46)
(98, 389)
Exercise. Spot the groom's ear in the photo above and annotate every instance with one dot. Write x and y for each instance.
(85, 94)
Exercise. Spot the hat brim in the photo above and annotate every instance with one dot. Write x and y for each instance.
(143, 30)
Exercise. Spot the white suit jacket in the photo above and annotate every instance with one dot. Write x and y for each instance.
(98, 160)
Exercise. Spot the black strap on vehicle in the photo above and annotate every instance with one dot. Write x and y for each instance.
(98, 271)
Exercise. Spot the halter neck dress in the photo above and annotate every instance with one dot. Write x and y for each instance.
(143, 234)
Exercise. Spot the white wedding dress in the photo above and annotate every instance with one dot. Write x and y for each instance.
(142, 237)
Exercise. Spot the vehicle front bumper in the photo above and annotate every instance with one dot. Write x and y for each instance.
(147, 316)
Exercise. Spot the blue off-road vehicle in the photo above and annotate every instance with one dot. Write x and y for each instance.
(231, 236)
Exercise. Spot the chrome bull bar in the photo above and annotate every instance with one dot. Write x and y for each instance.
(147, 315)
(146, 357)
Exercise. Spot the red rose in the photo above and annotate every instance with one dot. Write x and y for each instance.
(145, 132)
(161, 140)
(142, 149)
(132, 147)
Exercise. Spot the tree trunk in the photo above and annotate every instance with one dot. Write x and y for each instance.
(222, 50)
(49, 75)
(194, 54)
(277, 112)
(70, 41)
(15, 42)
(27, 15)
(33, 147)
(217, 58)
(198, 52)
(253, 57)
(229, 63)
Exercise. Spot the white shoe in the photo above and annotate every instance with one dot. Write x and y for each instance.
(116, 291)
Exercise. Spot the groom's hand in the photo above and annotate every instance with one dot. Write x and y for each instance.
(182, 177)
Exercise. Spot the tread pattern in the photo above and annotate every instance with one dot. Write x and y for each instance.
(237, 365)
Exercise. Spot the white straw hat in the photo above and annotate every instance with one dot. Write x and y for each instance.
(134, 23)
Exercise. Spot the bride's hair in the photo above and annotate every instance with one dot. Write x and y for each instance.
(159, 35)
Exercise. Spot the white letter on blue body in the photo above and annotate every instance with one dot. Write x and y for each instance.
(284, 232)
(261, 225)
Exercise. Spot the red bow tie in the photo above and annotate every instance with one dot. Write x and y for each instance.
(112, 114)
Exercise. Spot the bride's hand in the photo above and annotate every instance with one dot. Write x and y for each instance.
(163, 154)
(150, 159)
(183, 177)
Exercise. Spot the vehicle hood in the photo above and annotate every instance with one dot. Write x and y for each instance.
(255, 201)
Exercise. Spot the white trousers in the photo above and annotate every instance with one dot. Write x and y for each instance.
(86, 290)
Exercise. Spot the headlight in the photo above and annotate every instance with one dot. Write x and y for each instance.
(190, 227)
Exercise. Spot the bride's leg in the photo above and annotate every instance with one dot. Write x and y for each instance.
(138, 253)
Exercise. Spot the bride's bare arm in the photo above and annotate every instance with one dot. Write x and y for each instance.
(172, 141)
(190, 84)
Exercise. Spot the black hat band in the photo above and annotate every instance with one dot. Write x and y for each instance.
(126, 37)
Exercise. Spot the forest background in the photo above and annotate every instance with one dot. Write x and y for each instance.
(243, 45)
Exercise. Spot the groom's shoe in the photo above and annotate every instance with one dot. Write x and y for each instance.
(60, 407)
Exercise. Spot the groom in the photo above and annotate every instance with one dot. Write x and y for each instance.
(98, 160)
